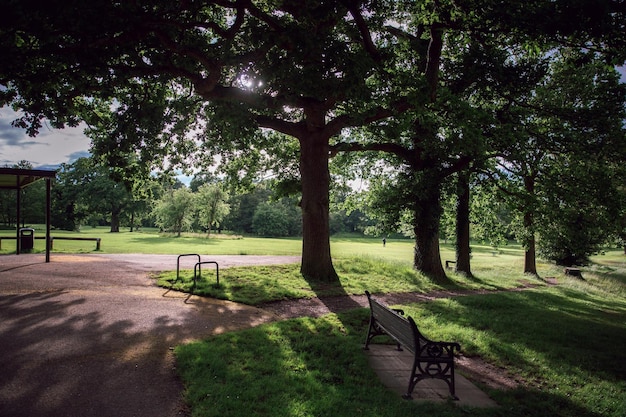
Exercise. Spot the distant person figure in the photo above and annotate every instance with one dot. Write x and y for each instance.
(384, 242)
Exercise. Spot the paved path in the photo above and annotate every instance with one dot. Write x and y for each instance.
(91, 335)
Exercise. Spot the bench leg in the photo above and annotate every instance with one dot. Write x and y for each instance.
(432, 370)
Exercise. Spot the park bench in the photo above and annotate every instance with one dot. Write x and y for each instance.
(574, 272)
(430, 359)
(52, 239)
(84, 239)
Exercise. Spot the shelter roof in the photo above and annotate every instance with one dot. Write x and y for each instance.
(15, 178)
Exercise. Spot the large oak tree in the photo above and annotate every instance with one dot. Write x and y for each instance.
(147, 75)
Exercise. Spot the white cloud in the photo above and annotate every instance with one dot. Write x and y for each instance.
(48, 149)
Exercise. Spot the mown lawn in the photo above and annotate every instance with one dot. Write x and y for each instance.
(565, 343)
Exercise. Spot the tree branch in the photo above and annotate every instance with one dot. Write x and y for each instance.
(288, 128)
(388, 147)
(434, 58)
(351, 120)
(361, 24)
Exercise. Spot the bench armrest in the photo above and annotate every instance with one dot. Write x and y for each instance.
(399, 311)
(430, 349)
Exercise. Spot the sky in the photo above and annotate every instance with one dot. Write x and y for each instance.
(47, 150)
(52, 147)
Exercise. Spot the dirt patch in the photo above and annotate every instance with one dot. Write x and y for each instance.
(479, 371)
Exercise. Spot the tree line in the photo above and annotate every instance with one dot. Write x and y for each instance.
(85, 195)
(433, 95)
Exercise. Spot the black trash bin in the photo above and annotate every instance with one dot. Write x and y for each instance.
(27, 239)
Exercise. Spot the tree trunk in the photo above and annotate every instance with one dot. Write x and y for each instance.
(463, 225)
(427, 258)
(316, 260)
(530, 257)
(115, 221)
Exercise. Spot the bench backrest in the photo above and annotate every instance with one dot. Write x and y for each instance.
(399, 328)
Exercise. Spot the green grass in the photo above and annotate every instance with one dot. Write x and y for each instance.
(362, 264)
(151, 241)
(301, 367)
(258, 285)
(565, 343)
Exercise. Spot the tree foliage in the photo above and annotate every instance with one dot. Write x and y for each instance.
(148, 77)
(174, 211)
(163, 83)
(86, 192)
(278, 219)
(33, 202)
(210, 200)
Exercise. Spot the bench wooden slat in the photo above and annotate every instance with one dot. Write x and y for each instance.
(394, 325)
(431, 359)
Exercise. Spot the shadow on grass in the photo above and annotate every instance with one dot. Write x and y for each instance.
(578, 337)
(317, 367)
(251, 286)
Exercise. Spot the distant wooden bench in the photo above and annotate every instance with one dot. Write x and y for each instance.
(52, 239)
(430, 359)
(448, 263)
(575, 272)
(92, 239)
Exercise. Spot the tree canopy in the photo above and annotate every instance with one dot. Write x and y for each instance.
(166, 83)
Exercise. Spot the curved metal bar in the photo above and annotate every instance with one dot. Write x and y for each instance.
(199, 275)
(178, 264)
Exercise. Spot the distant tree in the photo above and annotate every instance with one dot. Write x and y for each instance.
(86, 189)
(491, 218)
(243, 207)
(8, 202)
(572, 115)
(68, 209)
(34, 203)
(105, 196)
(32, 198)
(200, 179)
(174, 210)
(211, 205)
(580, 210)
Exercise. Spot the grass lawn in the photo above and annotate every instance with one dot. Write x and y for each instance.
(151, 241)
(565, 342)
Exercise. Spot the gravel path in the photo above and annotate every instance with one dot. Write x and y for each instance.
(91, 335)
